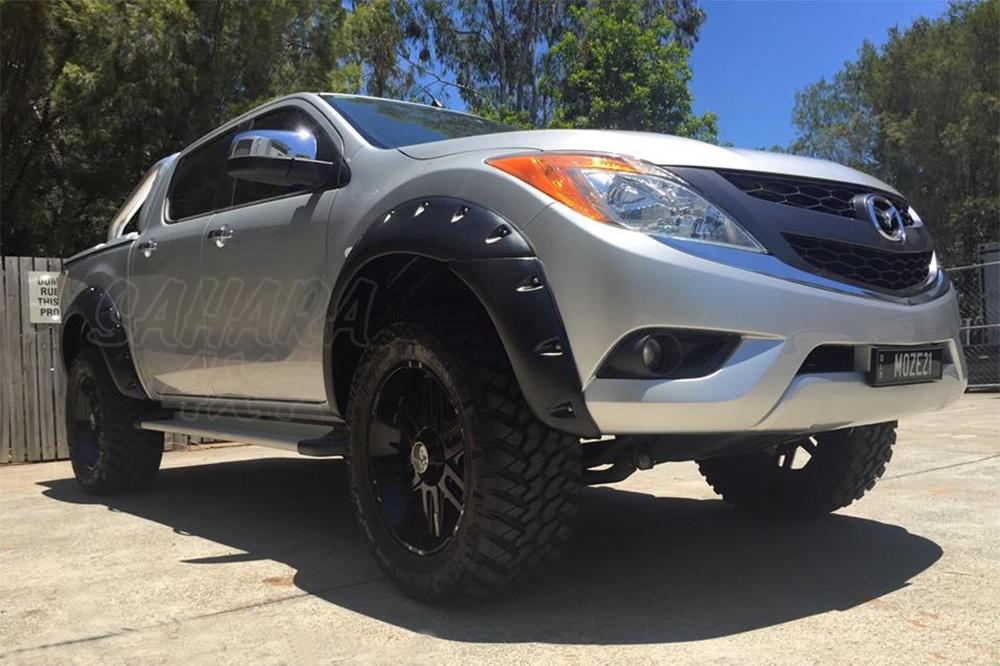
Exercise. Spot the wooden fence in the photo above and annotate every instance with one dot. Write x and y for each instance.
(32, 378)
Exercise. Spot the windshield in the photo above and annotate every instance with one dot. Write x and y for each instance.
(389, 124)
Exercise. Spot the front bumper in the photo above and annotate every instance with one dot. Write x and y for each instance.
(609, 282)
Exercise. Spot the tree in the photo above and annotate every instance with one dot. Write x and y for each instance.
(612, 71)
(93, 92)
(841, 124)
(496, 53)
(491, 52)
(922, 113)
(374, 34)
(80, 81)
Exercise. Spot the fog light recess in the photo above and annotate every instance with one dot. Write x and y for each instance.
(669, 354)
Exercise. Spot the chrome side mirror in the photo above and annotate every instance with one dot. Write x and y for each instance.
(277, 157)
(279, 144)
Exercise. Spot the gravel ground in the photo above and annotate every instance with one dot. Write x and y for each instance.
(243, 554)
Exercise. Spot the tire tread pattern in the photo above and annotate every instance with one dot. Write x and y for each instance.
(530, 489)
(129, 458)
(849, 463)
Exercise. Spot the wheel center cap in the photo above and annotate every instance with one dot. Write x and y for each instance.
(420, 457)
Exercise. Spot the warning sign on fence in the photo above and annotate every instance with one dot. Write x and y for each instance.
(43, 297)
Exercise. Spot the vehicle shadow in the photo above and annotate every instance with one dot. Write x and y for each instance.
(642, 569)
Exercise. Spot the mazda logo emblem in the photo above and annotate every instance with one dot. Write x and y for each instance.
(884, 217)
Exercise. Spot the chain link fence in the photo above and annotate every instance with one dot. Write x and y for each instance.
(978, 287)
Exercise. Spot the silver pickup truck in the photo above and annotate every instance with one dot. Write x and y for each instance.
(481, 321)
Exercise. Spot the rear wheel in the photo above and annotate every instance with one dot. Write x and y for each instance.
(109, 454)
(458, 489)
(813, 475)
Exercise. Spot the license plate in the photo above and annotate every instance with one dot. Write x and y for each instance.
(891, 367)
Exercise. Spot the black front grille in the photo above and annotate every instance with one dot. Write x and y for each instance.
(894, 271)
(818, 195)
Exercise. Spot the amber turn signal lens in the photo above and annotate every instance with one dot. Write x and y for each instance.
(552, 173)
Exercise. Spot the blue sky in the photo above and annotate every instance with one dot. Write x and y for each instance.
(753, 55)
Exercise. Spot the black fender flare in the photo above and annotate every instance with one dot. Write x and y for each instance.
(106, 331)
(497, 263)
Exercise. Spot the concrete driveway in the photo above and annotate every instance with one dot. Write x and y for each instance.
(246, 555)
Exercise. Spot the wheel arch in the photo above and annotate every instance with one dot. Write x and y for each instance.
(72, 338)
(93, 319)
(443, 249)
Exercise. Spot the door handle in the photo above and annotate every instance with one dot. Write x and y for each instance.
(148, 247)
(221, 235)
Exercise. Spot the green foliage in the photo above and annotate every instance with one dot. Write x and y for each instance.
(373, 33)
(93, 92)
(617, 71)
(922, 113)
(492, 54)
(507, 115)
(498, 54)
(841, 124)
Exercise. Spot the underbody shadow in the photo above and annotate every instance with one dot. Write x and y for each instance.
(642, 569)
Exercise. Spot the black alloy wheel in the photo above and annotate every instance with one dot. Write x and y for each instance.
(86, 424)
(795, 456)
(458, 489)
(416, 458)
(108, 452)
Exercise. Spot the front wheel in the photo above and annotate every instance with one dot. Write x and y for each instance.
(459, 490)
(813, 475)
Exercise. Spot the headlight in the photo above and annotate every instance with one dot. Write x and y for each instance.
(628, 193)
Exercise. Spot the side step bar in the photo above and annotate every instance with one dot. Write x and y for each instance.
(308, 439)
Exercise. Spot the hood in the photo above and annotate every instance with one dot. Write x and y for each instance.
(662, 149)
